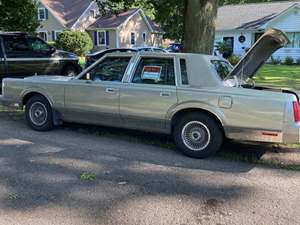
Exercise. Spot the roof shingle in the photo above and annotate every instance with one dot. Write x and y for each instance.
(67, 11)
(247, 16)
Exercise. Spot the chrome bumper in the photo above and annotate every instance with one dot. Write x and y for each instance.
(8, 103)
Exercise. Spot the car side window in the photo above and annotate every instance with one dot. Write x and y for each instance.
(110, 69)
(38, 46)
(16, 47)
(183, 69)
(158, 71)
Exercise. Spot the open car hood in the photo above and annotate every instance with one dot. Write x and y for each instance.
(261, 51)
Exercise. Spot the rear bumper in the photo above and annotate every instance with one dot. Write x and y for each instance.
(291, 134)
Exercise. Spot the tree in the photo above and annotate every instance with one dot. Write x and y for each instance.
(19, 15)
(77, 42)
(190, 21)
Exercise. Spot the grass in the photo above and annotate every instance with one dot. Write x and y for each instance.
(88, 177)
(279, 76)
(82, 61)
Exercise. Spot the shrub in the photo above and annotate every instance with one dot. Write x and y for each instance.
(234, 59)
(289, 61)
(298, 61)
(77, 42)
(275, 61)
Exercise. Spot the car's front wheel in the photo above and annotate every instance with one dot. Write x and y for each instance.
(198, 135)
(39, 114)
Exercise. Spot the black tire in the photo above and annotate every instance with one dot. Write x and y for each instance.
(70, 71)
(198, 135)
(39, 114)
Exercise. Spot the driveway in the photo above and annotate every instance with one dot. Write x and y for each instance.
(135, 183)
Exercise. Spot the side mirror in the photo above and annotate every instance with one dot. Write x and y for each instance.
(52, 50)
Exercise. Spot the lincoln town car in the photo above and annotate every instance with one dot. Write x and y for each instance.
(200, 100)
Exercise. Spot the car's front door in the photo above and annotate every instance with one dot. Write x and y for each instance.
(145, 101)
(94, 98)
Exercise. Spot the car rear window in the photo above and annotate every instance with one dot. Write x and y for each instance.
(184, 75)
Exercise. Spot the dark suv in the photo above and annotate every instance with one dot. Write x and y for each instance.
(22, 55)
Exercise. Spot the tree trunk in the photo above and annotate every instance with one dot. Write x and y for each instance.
(199, 26)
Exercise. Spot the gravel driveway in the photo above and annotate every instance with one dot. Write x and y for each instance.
(135, 183)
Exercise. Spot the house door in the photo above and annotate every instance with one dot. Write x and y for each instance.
(257, 36)
(229, 41)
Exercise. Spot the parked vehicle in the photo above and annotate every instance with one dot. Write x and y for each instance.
(24, 55)
(93, 57)
(199, 99)
(175, 47)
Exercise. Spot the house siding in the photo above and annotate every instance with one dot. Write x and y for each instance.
(287, 23)
(50, 25)
(137, 25)
(86, 19)
(238, 48)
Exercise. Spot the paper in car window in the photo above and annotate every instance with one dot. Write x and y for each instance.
(152, 73)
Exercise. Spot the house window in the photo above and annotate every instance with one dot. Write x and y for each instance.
(132, 38)
(56, 34)
(93, 13)
(295, 39)
(144, 37)
(42, 14)
(101, 38)
(43, 35)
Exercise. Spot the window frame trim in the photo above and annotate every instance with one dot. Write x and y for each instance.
(105, 41)
(39, 16)
(46, 32)
(137, 61)
(134, 38)
(89, 69)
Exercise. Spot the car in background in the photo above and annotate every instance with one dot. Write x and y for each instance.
(175, 47)
(93, 57)
(23, 55)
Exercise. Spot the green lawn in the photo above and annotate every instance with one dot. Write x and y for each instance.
(279, 76)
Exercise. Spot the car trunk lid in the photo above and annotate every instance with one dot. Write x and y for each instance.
(261, 51)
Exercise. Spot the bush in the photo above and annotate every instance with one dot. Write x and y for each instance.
(289, 61)
(298, 61)
(77, 42)
(275, 61)
(234, 59)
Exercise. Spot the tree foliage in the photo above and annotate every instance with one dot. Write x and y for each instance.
(18, 15)
(75, 41)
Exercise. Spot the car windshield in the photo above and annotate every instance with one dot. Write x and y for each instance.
(223, 68)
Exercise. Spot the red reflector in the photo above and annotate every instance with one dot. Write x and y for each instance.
(296, 111)
(270, 134)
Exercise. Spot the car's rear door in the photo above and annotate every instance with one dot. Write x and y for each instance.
(22, 59)
(145, 101)
(94, 98)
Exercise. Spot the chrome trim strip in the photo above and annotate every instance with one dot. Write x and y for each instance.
(39, 59)
(252, 134)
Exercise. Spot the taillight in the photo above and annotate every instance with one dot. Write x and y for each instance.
(296, 111)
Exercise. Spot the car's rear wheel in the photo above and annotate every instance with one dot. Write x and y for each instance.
(198, 135)
(39, 113)
(70, 71)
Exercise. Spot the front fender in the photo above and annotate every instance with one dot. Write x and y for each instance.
(37, 90)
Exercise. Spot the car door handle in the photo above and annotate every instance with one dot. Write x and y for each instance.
(165, 94)
(110, 90)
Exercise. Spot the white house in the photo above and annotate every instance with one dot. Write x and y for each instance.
(241, 25)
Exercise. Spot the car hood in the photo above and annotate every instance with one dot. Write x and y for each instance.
(261, 51)
(64, 54)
